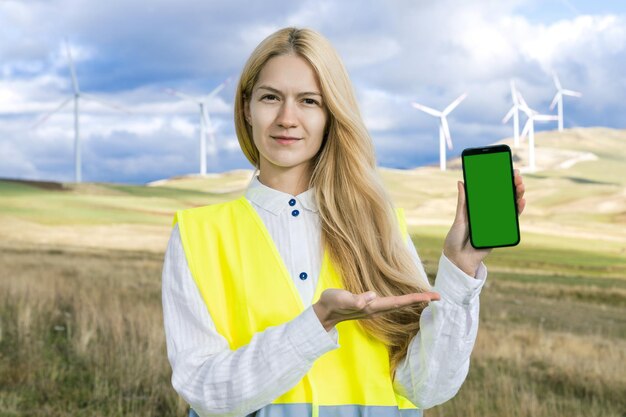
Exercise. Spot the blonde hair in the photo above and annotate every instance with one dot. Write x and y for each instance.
(359, 224)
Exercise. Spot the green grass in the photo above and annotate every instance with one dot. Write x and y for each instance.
(565, 280)
(551, 262)
(98, 204)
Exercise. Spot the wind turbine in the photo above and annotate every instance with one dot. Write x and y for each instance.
(514, 112)
(77, 96)
(558, 98)
(206, 127)
(444, 131)
(529, 128)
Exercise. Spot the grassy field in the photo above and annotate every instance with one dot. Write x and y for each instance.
(80, 266)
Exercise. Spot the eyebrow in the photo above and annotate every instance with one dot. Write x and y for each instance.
(306, 93)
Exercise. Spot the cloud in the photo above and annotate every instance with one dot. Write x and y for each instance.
(396, 52)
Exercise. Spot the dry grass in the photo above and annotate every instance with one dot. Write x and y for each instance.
(519, 371)
(81, 333)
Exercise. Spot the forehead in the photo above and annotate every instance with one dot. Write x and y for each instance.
(288, 73)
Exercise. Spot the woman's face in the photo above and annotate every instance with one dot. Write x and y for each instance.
(286, 101)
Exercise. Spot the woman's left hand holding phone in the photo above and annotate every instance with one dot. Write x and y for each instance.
(457, 247)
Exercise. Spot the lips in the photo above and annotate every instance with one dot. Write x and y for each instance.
(286, 137)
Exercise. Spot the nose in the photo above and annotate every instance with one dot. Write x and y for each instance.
(286, 117)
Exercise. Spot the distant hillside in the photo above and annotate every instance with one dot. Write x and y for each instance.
(577, 191)
(576, 196)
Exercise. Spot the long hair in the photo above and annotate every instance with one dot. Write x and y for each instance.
(359, 225)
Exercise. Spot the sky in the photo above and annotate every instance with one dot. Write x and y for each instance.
(396, 52)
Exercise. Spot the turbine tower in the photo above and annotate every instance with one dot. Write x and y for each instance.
(558, 98)
(76, 96)
(444, 131)
(529, 128)
(514, 112)
(206, 127)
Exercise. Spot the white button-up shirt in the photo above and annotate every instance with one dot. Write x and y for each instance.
(218, 381)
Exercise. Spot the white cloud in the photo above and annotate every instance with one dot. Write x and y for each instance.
(572, 40)
(183, 126)
(396, 52)
(15, 164)
(364, 50)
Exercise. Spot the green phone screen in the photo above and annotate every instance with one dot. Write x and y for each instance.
(490, 199)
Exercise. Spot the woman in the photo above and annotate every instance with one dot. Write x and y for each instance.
(261, 294)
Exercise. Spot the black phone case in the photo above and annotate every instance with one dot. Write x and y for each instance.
(479, 151)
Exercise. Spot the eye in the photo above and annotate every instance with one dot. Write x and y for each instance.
(311, 101)
(267, 96)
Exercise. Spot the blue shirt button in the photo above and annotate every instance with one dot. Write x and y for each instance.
(295, 213)
(303, 276)
(292, 202)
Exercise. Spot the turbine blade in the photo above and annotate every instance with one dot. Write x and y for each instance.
(50, 113)
(527, 110)
(522, 102)
(446, 131)
(219, 88)
(509, 115)
(206, 119)
(114, 106)
(216, 125)
(212, 148)
(557, 83)
(571, 93)
(178, 94)
(455, 103)
(555, 100)
(523, 106)
(526, 129)
(425, 109)
(514, 93)
(72, 69)
(545, 117)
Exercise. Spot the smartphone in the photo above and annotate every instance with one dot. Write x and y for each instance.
(490, 196)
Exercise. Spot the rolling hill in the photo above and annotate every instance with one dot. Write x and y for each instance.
(576, 199)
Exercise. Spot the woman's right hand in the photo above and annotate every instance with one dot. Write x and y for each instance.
(336, 305)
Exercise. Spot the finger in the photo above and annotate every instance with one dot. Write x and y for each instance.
(460, 203)
(517, 177)
(420, 297)
(383, 304)
(434, 296)
(520, 189)
(521, 203)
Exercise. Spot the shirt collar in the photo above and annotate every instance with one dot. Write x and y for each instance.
(276, 201)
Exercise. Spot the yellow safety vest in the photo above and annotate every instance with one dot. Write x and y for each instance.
(247, 288)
